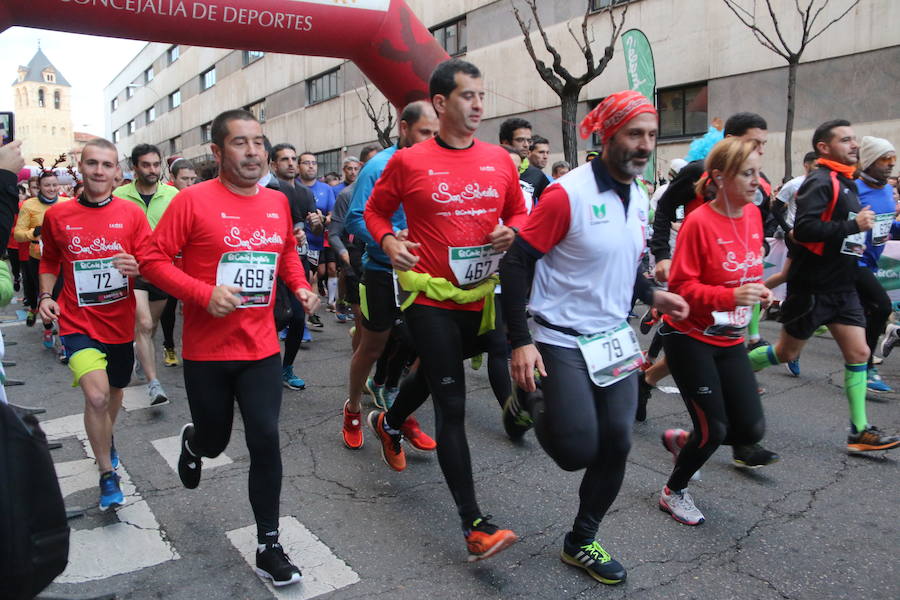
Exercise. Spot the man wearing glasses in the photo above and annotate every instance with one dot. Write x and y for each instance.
(516, 134)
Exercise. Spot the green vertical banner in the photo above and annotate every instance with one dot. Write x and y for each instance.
(641, 76)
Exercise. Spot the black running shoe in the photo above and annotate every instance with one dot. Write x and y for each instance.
(272, 563)
(594, 559)
(516, 418)
(648, 320)
(757, 344)
(644, 390)
(315, 321)
(30, 318)
(753, 456)
(189, 466)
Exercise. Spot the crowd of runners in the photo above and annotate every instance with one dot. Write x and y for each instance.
(409, 246)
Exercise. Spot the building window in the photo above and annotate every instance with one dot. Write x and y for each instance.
(116, 136)
(41, 99)
(148, 75)
(131, 127)
(150, 115)
(251, 56)
(175, 145)
(57, 100)
(114, 104)
(129, 91)
(321, 88)
(329, 161)
(175, 99)
(602, 4)
(206, 133)
(452, 36)
(174, 53)
(50, 77)
(207, 79)
(682, 111)
(258, 109)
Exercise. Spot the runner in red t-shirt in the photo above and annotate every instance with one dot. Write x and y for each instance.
(455, 191)
(94, 240)
(235, 238)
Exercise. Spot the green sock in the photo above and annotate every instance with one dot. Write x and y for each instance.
(855, 388)
(753, 327)
(762, 357)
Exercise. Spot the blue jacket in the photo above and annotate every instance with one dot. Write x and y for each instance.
(881, 201)
(374, 257)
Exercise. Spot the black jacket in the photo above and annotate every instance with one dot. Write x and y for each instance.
(9, 202)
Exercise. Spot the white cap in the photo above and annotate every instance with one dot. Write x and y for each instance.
(676, 165)
(871, 149)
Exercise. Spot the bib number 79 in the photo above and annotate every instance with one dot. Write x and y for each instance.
(613, 348)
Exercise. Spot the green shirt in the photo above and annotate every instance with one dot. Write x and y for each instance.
(158, 203)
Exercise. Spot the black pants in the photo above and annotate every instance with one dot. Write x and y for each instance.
(494, 344)
(167, 322)
(212, 388)
(719, 389)
(295, 330)
(583, 426)
(31, 282)
(876, 305)
(15, 265)
(398, 352)
(444, 339)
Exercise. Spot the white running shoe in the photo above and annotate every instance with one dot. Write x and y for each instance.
(891, 339)
(681, 506)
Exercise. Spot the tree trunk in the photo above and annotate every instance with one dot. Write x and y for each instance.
(789, 122)
(569, 130)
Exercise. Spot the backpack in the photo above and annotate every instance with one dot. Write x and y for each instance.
(283, 309)
(819, 247)
(34, 533)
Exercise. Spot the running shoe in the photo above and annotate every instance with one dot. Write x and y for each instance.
(391, 450)
(875, 383)
(594, 559)
(61, 355)
(793, 367)
(315, 321)
(516, 418)
(30, 318)
(644, 391)
(870, 439)
(374, 390)
(331, 307)
(48, 339)
(476, 361)
(17, 285)
(157, 394)
(484, 539)
(352, 428)
(291, 381)
(273, 564)
(680, 505)
(170, 357)
(674, 440)
(113, 455)
(111, 495)
(388, 395)
(306, 337)
(282, 335)
(352, 331)
(648, 320)
(340, 317)
(139, 374)
(753, 456)
(415, 437)
(757, 344)
(822, 330)
(891, 339)
(189, 465)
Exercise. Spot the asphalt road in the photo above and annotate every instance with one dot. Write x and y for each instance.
(819, 524)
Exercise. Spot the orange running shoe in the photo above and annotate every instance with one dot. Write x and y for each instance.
(485, 539)
(870, 439)
(417, 438)
(352, 429)
(391, 451)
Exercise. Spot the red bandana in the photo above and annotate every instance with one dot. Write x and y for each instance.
(616, 109)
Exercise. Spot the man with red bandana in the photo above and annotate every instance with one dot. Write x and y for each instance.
(462, 199)
(582, 247)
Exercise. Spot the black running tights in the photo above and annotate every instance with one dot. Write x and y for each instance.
(212, 388)
(719, 389)
(167, 322)
(876, 304)
(295, 330)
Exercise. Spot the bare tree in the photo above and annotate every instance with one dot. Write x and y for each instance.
(776, 40)
(566, 85)
(382, 118)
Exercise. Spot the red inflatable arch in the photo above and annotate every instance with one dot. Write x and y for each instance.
(382, 37)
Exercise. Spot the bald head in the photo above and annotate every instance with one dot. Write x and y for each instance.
(418, 122)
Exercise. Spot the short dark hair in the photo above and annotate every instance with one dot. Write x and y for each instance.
(738, 123)
(308, 153)
(823, 132)
(412, 112)
(142, 150)
(509, 126)
(538, 139)
(273, 153)
(332, 174)
(443, 78)
(219, 127)
(180, 165)
(809, 157)
(364, 153)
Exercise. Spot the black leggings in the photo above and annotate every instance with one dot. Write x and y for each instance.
(719, 389)
(876, 304)
(494, 344)
(295, 330)
(167, 322)
(583, 426)
(15, 265)
(397, 353)
(443, 338)
(31, 282)
(212, 388)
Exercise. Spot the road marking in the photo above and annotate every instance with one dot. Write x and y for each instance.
(135, 542)
(669, 389)
(170, 450)
(323, 572)
(136, 398)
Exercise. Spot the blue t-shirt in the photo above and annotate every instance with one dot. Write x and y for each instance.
(325, 197)
(881, 201)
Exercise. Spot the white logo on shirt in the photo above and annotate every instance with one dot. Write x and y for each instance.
(73, 228)
(98, 245)
(257, 239)
(224, 216)
(273, 215)
(721, 241)
(472, 191)
(488, 168)
(433, 173)
(751, 259)
(116, 226)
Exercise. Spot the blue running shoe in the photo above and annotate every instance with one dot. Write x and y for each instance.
(793, 367)
(282, 335)
(110, 493)
(307, 336)
(875, 383)
(113, 455)
(374, 390)
(290, 380)
(388, 395)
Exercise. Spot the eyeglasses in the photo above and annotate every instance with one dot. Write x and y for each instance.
(522, 140)
(308, 163)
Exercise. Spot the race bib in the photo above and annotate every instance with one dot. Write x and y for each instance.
(313, 257)
(612, 355)
(473, 264)
(881, 232)
(253, 272)
(730, 323)
(98, 282)
(855, 243)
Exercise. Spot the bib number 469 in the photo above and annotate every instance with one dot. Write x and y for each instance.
(251, 279)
